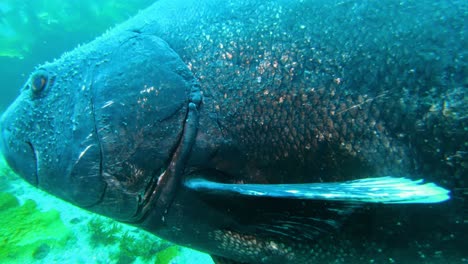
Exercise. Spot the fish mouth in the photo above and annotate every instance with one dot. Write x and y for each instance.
(21, 156)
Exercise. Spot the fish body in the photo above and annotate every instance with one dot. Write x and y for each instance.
(251, 130)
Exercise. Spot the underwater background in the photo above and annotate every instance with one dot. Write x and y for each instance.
(33, 32)
(36, 227)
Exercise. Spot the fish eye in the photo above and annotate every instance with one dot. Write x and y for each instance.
(39, 81)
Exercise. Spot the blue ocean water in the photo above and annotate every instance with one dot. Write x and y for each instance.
(399, 69)
(34, 32)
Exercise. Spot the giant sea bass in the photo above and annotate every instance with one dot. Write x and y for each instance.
(260, 131)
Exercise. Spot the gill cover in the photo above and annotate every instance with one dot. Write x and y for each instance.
(141, 96)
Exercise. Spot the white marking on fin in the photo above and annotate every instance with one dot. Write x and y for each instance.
(107, 104)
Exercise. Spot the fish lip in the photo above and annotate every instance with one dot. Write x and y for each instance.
(23, 162)
(18, 152)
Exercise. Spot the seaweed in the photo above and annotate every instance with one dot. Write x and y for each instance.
(6, 175)
(139, 244)
(132, 243)
(167, 255)
(26, 233)
(103, 231)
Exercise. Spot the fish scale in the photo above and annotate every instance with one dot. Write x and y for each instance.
(261, 94)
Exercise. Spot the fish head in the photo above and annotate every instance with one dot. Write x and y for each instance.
(100, 123)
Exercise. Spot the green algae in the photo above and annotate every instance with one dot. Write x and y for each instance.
(141, 245)
(103, 231)
(132, 244)
(25, 231)
(7, 201)
(6, 175)
(167, 255)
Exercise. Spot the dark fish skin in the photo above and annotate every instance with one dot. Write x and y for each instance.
(248, 91)
(334, 89)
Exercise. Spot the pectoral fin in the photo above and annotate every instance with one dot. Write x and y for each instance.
(386, 190)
